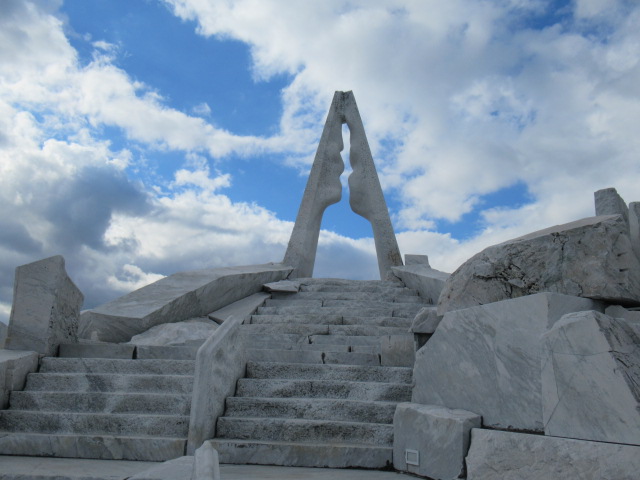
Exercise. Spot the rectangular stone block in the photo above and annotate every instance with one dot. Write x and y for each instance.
(436, 439)
(497, 455)
(487, 359)
(421, 277)
(46, 307)
(14, 367)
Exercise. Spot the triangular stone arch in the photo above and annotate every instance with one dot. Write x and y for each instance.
(324, 189)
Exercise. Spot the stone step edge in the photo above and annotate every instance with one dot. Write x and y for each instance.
(303, 421)
(316, 454)
(329, 366)
(69, 445)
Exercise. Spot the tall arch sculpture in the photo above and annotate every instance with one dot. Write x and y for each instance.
(324, 189)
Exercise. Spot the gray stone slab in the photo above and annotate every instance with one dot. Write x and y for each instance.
(46, 307)
(439, 435)
(175, 298)
(96, 350)
(15, 365)
(309, 388)
(355, 373)
(591, 258)
(120, 366)
(283, 286)
(494, 352)
(189, 332)
(105, 447)
(166, 353)
(220, 362)
(608, 202)
(497, 455)
(304, 431)
(591, 378)
(413, 259)
(327, 456)
(84, 382)
(242, 308)
(428, 281)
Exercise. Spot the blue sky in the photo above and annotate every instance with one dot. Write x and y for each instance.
(140, 138)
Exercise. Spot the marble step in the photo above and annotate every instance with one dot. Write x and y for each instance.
(311, 409)
(81, 382)
(297, 430)
(104, 447)
(299, 319)
(126, 351)
(313, 356)
(336, 389)
(321, 455)
(156, 403)
(118, 366)
(397, 297)
(407, 310)
(258, 343)
(94, 423)
(378, 289)
(353, 373)
(346, 281)
(327, 330)
(313, 319)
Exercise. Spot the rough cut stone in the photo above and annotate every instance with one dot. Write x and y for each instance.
(590, 258)
(591, 378)
(3, 334)
(421, 277)
(425, 321)
(284, 286)
(413, 259)
(486, 359)
(14, 367)
(440, 436)
(175, 298)
(189, 332)
(242, 308)
(496, 455)
(634, 226)
(46, 307)
(618, 311)
(178, 468)
(608, 202)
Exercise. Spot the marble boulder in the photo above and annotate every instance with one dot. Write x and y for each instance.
(591, 258)
(486, 359)
(419, 275)
(591, 378)
(46, 307)
(496, 455)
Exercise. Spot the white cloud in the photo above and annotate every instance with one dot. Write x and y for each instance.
(459, 99)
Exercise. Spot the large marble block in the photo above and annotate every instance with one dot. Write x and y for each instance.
(46, 307)
(440, 436)
(496, 455)
(15, 365)
(428, 281)
(591, 378)
(487, 359)
(175, 298)
(591, 258)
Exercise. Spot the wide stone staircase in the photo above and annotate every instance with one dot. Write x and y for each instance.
(80, 406)
(327, 367)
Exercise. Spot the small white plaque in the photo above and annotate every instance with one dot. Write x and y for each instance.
(412, 457)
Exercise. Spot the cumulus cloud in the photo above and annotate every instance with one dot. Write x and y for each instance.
(460, 99)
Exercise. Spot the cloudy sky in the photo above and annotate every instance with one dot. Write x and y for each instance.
(140, 138)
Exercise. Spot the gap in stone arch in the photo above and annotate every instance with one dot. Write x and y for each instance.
(339, 218)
